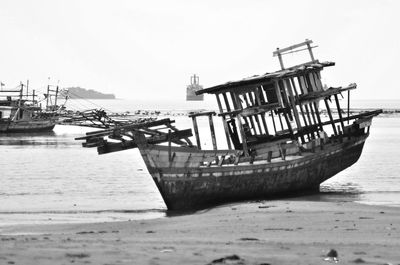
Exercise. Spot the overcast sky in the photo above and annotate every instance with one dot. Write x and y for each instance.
(149, 49)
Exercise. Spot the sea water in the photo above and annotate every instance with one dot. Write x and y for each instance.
(50, 178)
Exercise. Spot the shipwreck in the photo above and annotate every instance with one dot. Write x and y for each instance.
(278, 142)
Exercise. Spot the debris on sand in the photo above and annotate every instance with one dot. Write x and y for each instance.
(332, 256)
(232, 259)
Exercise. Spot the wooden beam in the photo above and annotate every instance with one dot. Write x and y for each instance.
(264, 122)
(293, 86)
(243, 136)
(290, 126)
(228, 139)
(109, 147)
(361, 115)
(228, 108)
(317, 95)
(286, 84)
(234, 101)
(292, 47)
(196, 132)
(330, 116)
(278, 93)
(348, 105)
(317, 114)
(214, 141)
(273, 121)
(339, 112)
(256, 118)
(127, 128)
(198, 114)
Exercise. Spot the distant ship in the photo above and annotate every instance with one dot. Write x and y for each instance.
(192, 88)
(22, 112)
(278, 141)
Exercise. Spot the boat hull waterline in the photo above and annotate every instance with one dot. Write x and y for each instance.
(185, 188)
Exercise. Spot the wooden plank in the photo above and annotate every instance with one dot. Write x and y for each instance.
(130, 127)
(278, 94)
(214, 141)
(339, 112)
(308, 43)
(302, 84)
(317, 95)
(289, 125)
(252, 101)
(317, 81)
(110, 147)
(251, 110)
(330, 116)
(256, 118)
(196, 132)
(228, 108)
(234, 101)
(291, 81)
(169, 146)
(264, 122)
(242, 134)
(258, 95)
(317, 115)
(228, 139)
(286, 84)
(204, 113)
(310, 77)
(280, 121)
(348, 106)
(250, 122)
(357, 116)
(292, 47)
(273, 121)
(248, 105)
(310, 107)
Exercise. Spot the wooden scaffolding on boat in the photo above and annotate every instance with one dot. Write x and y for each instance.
(274, 109)
(290, 97)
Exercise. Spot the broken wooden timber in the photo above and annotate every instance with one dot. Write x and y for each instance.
(252, 110)
(312, 96)
(173, 136)
(125, 128)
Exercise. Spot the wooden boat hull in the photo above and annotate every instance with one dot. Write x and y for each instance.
(188, 187)
(27, 126)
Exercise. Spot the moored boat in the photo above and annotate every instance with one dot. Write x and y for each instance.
(21, 112)
(278, 139)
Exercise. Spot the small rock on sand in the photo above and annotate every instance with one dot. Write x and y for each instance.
(228, 259)
(77, 255)
(249, 239)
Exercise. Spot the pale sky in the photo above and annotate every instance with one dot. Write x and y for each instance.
(149, 49)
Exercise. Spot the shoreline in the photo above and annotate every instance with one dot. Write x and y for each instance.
(286, 231)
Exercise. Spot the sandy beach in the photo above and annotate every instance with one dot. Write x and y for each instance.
(265, 232)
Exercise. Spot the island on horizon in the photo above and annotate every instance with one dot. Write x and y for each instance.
(78, 92)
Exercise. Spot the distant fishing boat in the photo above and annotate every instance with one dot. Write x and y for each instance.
(278, 141)
(193, 88)
(22, 112)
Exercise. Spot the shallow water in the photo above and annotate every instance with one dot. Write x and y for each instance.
(50, 178)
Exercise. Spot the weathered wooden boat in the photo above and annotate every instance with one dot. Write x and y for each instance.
(277, 139)
(22, 112)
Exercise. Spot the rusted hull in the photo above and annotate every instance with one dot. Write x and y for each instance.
(188, 188)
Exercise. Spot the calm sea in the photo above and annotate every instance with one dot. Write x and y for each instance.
(50, 178)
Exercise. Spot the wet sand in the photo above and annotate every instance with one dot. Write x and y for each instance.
(267, 232)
